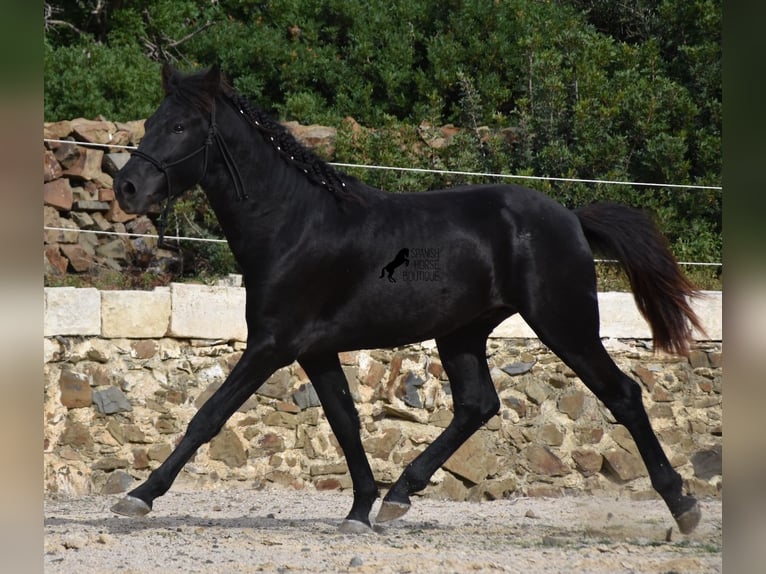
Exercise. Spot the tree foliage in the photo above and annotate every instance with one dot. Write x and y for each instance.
(596, 89)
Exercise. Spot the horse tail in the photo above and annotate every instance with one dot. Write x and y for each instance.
(662, 292)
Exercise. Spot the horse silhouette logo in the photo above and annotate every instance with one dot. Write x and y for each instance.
(401, 257)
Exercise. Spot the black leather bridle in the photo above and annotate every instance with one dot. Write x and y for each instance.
(213, 136)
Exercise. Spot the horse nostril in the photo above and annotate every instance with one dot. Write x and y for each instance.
(127, 188)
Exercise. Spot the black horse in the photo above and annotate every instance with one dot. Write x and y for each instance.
(292, 220)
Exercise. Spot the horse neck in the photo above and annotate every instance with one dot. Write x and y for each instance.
(279, 195)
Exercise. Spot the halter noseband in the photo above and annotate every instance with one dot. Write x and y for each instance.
(212, 136)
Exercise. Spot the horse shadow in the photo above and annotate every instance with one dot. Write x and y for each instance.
(401, 258)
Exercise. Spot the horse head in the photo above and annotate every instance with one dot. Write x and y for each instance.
(173, 154)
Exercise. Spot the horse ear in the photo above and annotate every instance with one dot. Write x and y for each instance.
(168, 76)
(213, 79)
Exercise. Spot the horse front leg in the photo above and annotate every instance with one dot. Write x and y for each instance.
(258, 362)
(331, 386)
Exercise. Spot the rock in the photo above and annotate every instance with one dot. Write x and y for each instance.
(114, 162)
(375, 373)
(68, 233)
(622, 437)
(558, 381)
(90, 205)
(100, 222)
(82, 220)
(143, 349)
(75, 389)
(114, 249)
(542, 461)
(320, 138)
(536, 392)
(411, 385)
(51, 167)
(56, 263)
(86, 166)
(78, 258)
(518, 405)
(327, 484)
(100, 351)
(518, 368)
(119, 481)
(270, 443)
(588, 462)
(474, 460)
(278, 386)
(281, 419)
(58, 193)
(496, 489)
(111, 400)
(435, 369)
(57, 130)
(550, 434)
(646, 376)
(134, 129)
(106, 195)
(306, 397)
(159, 452)
(67, 153)
(624, 465)
(708, 463)
(115, 214)
(110, 463)
(402, 413)
(572, 404)
(452, 488)
(324, 469)
(140, 459)
(93, 131)
(167, 424)
(698, 359)
(227, 447)
(382, 445)
(441, 418)
(76, 435)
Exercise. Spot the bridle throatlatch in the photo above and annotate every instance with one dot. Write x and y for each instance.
(212, 136)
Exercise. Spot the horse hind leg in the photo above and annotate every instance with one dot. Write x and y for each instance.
(463, 355)
(568, 325)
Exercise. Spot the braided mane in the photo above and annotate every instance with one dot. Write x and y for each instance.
(292, 150)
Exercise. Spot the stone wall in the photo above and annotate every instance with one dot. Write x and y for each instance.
(125, 371)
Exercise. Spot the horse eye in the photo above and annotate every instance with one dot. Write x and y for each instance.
(178, 128)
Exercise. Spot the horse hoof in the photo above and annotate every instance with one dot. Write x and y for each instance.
(131, 506)
(391, 510)
(354, 527)
(689, 520)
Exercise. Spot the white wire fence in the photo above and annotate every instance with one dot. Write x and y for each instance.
(400, 169)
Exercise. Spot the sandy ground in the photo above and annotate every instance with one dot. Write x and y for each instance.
(286, 531)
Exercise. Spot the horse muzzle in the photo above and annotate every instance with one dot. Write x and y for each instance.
(132, 195)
